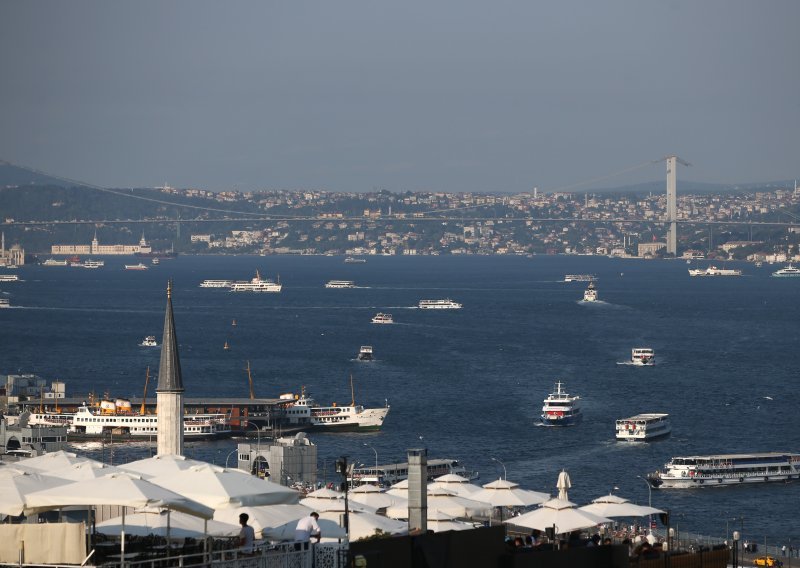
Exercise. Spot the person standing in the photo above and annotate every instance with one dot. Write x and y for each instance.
(306, 528)
(247, 536)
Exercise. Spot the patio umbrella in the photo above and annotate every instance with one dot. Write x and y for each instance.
(54, 461)
(441, 522)
(445, 501)
(328, 500)
(559, 513)
(84, 470)
(457, 484)
(167, 524)
(504, 493)
(265, 517)
(375, 497)
(364, 524)
(17, 483)
(563, 484)
(328, 528)
(218, 487)
(616, 506)
(161, 465)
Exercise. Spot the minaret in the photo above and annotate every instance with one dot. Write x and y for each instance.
(169, 393)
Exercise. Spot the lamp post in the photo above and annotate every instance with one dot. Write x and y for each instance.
(377, 482)
(505, 476)
(233, 451)
(735, 549)
(649, 500)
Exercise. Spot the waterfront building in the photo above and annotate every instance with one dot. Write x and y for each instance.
(96, 249)
(288, 461)
(15, 256)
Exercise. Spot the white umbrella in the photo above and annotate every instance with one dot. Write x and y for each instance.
(563, 484)
(375, 497)
(55, 461)
(329, 529)
(440, 522)
(445, 501)
(364, 524)
(84, 470)
(17, 483)
(504, 493)
(218, 487)
(328, 500)
(162, 465)
(167, 524)
(559, 513)
(616, 506)
(265, 517)
(457, 484)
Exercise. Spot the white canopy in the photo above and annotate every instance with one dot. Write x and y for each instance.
(218, 488)
(457, 484)
(155, 522)
(328, 500)
(17, 483)
(559, 513)
(265, 517)
(84, 470)
(445, 501)
(375, 497)
(124, 489)
(364, 524)
(504, 493)
(616, 506)
(54, 461)
(328, 528)
(162, 465)
(440, 522)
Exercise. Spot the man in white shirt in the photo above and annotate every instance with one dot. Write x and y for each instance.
(247, 535)
(306, 528)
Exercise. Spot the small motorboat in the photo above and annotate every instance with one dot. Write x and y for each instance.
(149, 341)
(365, 353)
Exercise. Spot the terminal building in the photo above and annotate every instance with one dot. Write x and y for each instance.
(95, 248)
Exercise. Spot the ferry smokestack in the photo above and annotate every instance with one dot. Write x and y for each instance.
(417, 490)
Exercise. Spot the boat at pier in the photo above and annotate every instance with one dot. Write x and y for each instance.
(643, 427)
(446, 304)
(787, 271)
(590, 294)
(560, 408)
(726, 469)
(383, 318)
(714, 271)
(340, 284)
(643, 356)
(256, 284)
(304, 412)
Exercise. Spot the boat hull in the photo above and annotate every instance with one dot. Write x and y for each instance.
(698, 483)
(564, 421)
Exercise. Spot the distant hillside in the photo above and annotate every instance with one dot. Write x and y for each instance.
(694, 187)
(14, 176)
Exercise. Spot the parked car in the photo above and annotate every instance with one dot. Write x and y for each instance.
(768, 561)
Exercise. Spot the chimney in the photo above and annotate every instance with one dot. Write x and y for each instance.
(417, 490)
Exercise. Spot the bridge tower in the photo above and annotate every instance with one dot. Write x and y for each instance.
(672, 202)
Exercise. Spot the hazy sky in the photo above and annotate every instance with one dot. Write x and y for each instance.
(347, 95)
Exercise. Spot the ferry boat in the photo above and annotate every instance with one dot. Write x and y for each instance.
(303, 412)
(561, 409)
(365, 353)
(256, 284)
(4, 303)
(54, 262)
(139, 266)
(383, 318)
(149, 341)
(9, 278)
(714, 271)
(117, 419)
(643, 427)
(392, 473)
(787, 271)
(726, 469)
(216, 283)
(590, 294)
(580, 278)
(355, 260)
(643, 356)
(446, 304)
(89, 263)
(340, 284)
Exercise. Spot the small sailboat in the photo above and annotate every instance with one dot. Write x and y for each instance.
(226, 347)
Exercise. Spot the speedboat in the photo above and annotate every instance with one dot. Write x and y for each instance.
(787, 271)
(382, 318)
(643, 356)
(561, 409)
(590, 294)
(149, 341)
(365, 353)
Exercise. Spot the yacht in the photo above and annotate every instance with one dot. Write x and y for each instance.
(643, 427)
(340, 284)
(216, 283)
(787, 271)
(9, 278)
(590, 294)
(139, 266)
(256, 284)
(365, 353)
(726, 469)
(54, 262)
(149, 341)
(304, 412)
(355, 260)
(561, 409)
(446, 304)
(383, 318)
(643, 356)
(4, 303)
(714, 271)
(580, 278)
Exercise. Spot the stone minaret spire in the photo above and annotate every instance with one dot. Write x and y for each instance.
(169, 393)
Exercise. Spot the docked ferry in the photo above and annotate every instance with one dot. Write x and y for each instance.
(117, 419)
(561, 409)
(643, 427)
(726, 469)
(787, 271)
(340, 284)
(216, 283)
(392, 473)
(580, 278)
(714, 271)
(590, 294)
(383, 318)
(446, 304)
(643, 356)
(304, 412)
(256, 284)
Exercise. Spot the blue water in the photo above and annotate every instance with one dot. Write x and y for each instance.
(466, 384)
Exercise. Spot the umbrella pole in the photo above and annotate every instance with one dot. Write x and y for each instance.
(122, 542)
(169, 511)
(205, 542)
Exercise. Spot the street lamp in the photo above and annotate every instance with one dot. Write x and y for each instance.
(735, 549)
(505, 476)
(649, 500)
(376, 462)
(233, 451)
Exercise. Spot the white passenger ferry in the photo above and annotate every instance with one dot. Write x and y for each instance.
(216, 283)
(139, 266)
(787, 271)
(726, 469)
(340, 284)
(446, 304)
(392, 473)
(303, 411)
(383, 318)
(89, 263)
(561, 409)
(643, 427)
(256, 284)
(643, 356)
(118, 419)
(55, 262)
(355, 260)
(590, 294)
(580, 278)
(9, 278)
(4, 303)
(714, 271)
